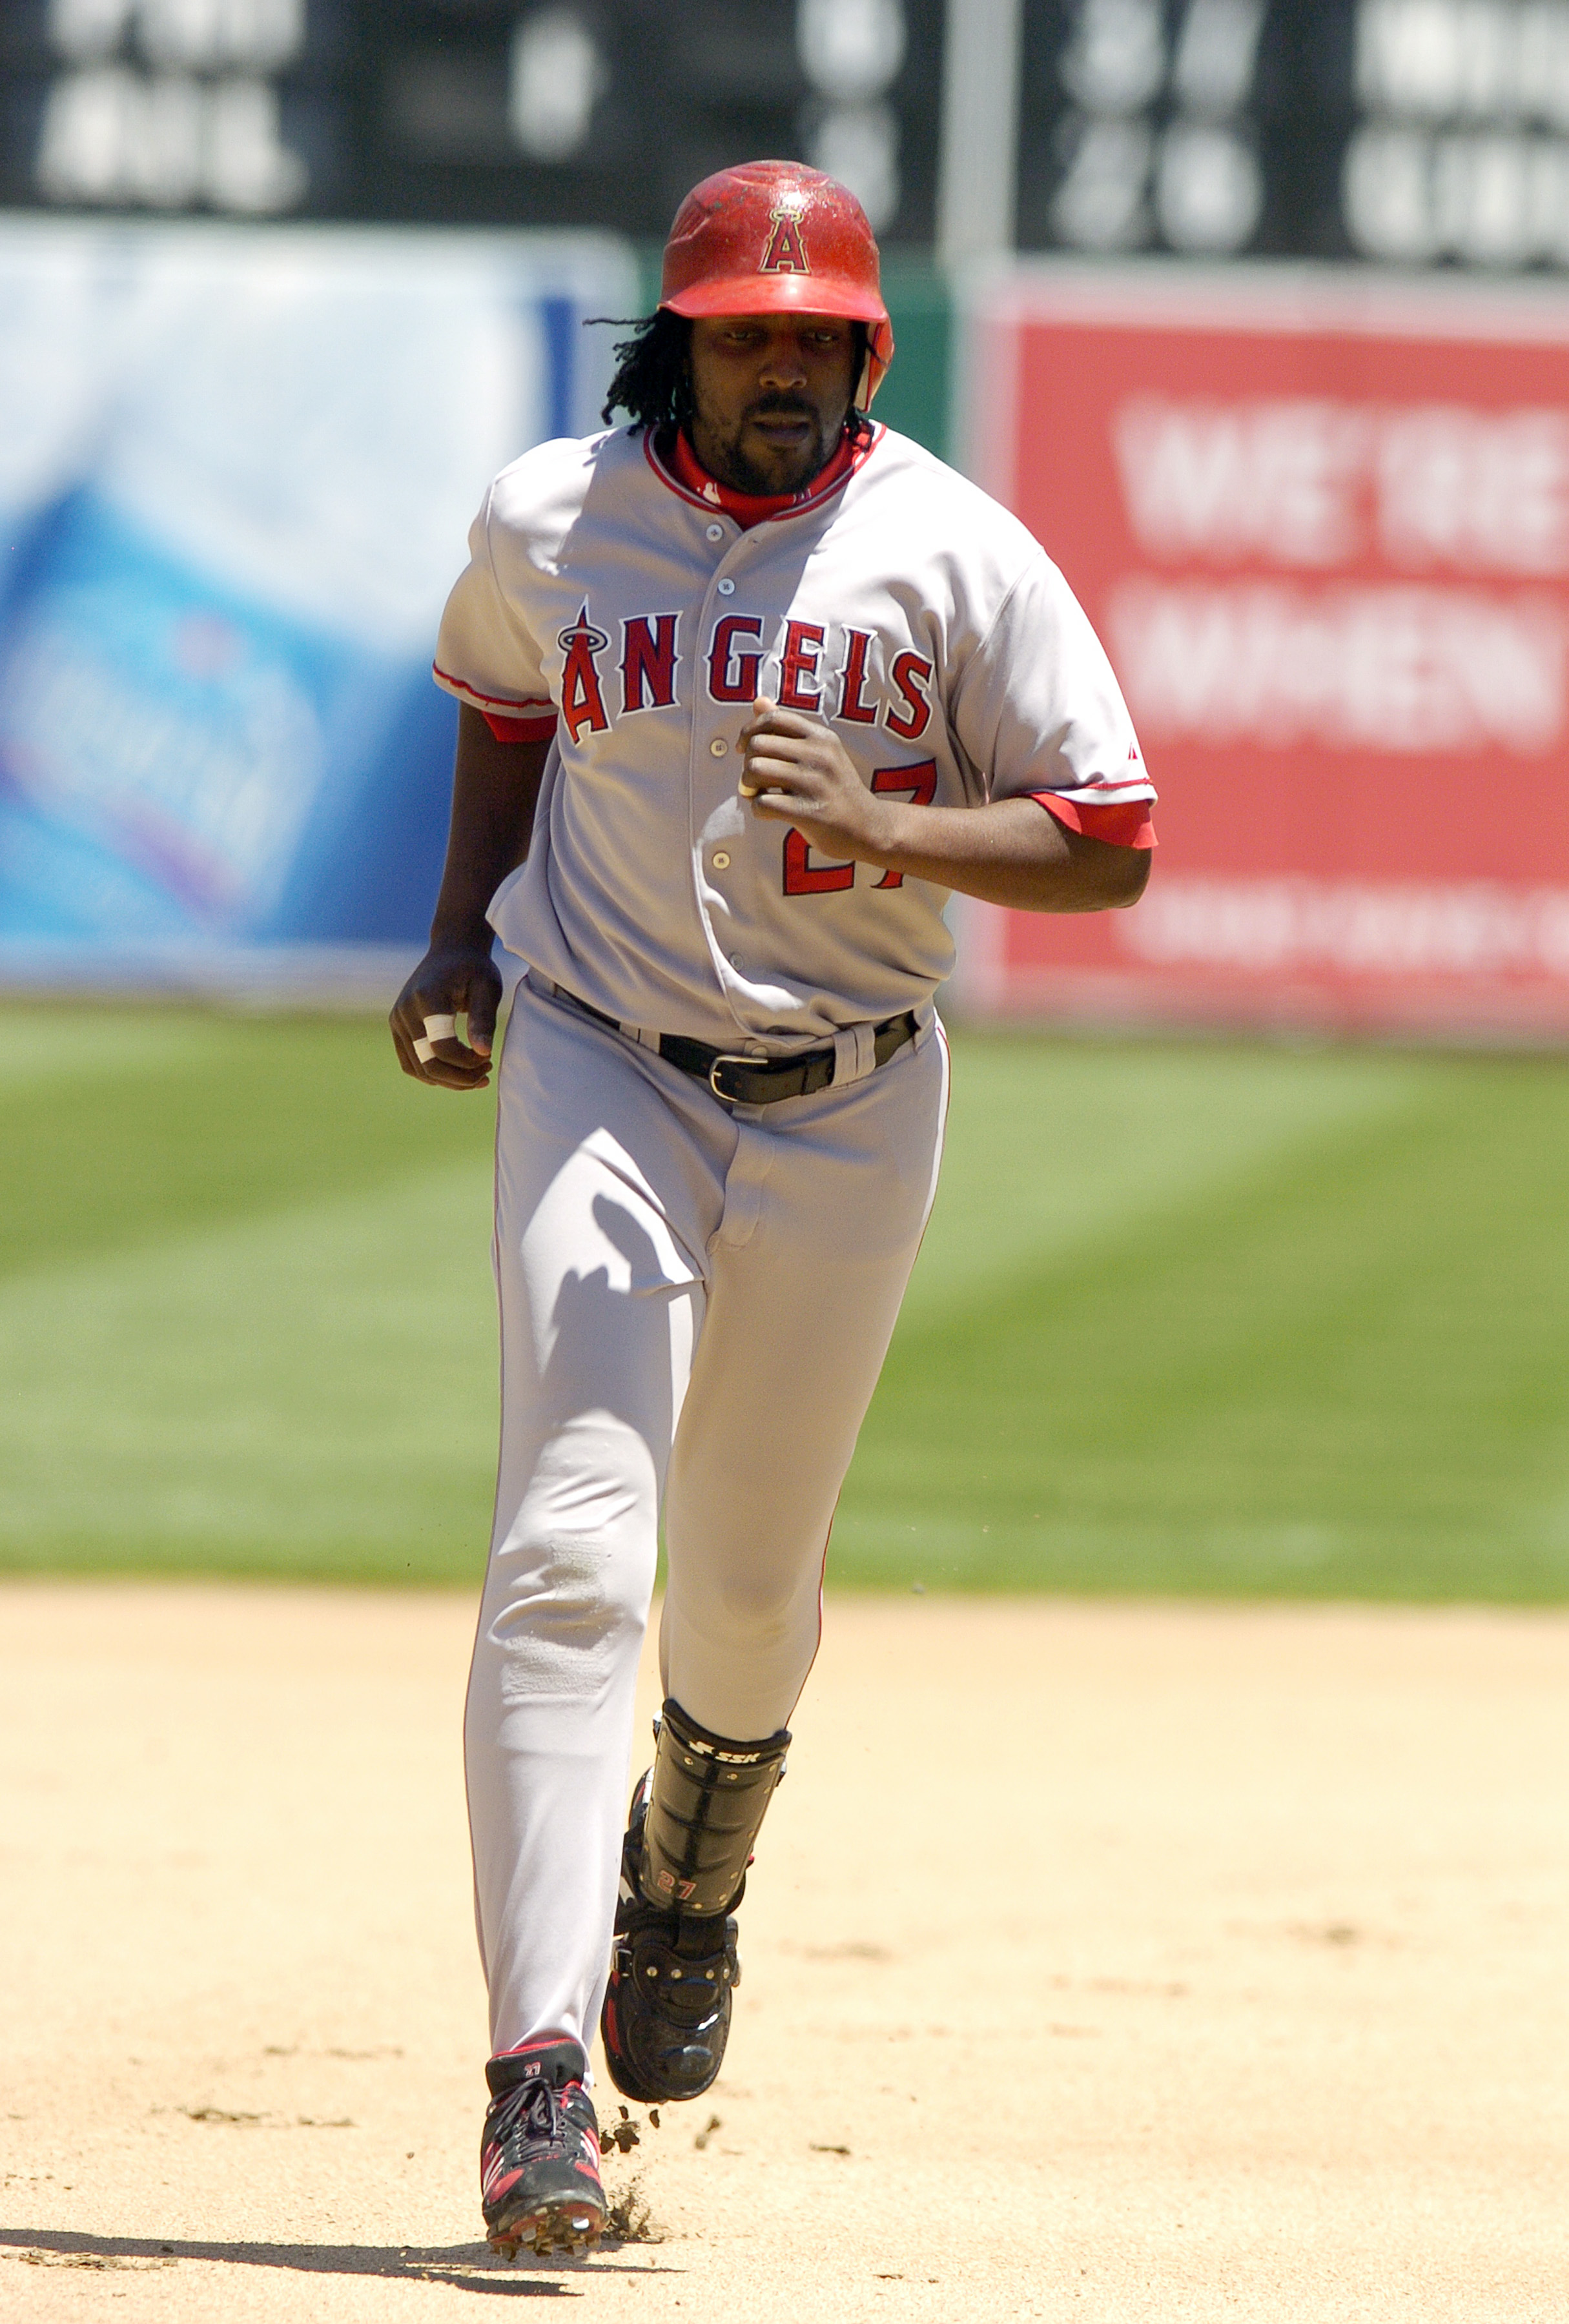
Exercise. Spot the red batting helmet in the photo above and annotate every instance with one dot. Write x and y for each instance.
(768, 237)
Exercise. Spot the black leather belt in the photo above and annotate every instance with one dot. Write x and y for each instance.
(759, 1081)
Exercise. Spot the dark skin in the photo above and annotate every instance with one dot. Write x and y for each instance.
(770, 395)
(495, 788)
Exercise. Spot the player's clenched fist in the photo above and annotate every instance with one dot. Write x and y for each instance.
(796, 769)
(449, 982)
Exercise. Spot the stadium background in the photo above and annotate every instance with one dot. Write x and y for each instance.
(1256, 314)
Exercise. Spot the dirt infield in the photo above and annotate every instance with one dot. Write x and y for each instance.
(1102, 1962)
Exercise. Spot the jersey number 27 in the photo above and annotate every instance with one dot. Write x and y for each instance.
(802, 877)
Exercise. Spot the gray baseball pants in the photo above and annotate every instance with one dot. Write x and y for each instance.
(696, 1302)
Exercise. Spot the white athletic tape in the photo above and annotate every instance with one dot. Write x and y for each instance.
(424, 1051)
(441, 1028)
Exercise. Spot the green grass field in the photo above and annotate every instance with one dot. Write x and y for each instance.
(1188, 1318)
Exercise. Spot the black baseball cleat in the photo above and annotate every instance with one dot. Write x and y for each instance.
(666, 2007)
(539, 2152)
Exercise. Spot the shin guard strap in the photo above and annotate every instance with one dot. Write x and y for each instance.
(705, 1806)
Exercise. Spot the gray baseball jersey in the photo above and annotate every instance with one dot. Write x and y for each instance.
(637, 621)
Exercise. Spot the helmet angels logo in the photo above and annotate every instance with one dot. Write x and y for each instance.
(786, 252)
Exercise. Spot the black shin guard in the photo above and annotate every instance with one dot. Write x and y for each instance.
(706, 1804)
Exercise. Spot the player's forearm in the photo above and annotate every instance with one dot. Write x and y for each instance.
(1011, 852)
(795, 770)
(495, 788)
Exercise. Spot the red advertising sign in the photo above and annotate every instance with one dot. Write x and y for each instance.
(1322, 525)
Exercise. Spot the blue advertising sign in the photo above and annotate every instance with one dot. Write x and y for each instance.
(237, 466)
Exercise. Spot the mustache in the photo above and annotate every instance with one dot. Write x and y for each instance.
(778, 407)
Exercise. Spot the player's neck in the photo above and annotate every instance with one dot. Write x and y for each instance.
(748, 508)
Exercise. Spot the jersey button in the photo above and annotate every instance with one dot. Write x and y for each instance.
(718, 747)
(717, 532)
(727, 587)
(720, 861)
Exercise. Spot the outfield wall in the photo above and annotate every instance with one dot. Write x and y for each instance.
(1321, 520)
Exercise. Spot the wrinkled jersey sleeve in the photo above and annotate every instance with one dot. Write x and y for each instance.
(484, 654)
(1039, 713)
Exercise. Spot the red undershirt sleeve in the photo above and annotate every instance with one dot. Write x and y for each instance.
(519, 729)
(1120, 826)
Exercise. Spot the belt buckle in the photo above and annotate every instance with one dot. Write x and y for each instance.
(731, 1057)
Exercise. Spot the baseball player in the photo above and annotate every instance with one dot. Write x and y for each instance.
(748, 687)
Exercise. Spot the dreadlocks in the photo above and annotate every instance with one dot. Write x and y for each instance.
(653, 378)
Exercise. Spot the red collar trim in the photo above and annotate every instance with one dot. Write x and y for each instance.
(686, 475)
